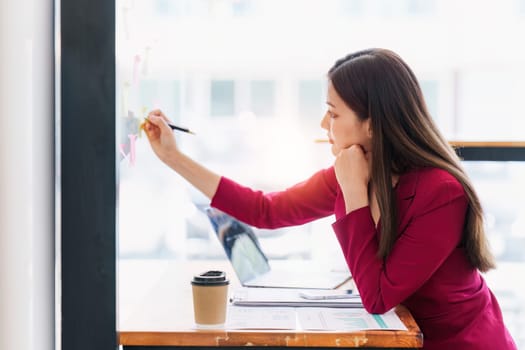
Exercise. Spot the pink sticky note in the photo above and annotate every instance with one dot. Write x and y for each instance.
(122, 150)
(132, 154)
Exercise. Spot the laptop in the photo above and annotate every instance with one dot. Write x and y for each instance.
(251, 264)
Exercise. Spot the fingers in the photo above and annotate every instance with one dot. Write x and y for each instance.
(354, 150)
(158, 113)
(157, 118)
(152, 131)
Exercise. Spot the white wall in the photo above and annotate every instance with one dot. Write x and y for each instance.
(26, 175)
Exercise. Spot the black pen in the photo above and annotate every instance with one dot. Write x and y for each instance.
(175, 127)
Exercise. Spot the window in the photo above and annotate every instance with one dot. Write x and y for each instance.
(403, 8)
(351, 7)
(430, 91)
(311, 99)
(242, 8)
(262, 97)
(490, 107)
(418, 7)
(222, 98)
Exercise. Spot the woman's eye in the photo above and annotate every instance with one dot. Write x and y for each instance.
(331, 114)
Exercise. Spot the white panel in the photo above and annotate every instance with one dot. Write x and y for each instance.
(26, 176)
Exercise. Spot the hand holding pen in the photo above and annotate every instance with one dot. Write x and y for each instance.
(158, 112)
(159, 132)
(162, 140)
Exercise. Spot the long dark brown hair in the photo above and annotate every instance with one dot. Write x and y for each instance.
(378, 84)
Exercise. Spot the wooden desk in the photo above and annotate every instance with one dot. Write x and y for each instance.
(489, 144)
(156, 310)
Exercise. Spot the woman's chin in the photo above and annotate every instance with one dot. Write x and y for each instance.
(335, 150)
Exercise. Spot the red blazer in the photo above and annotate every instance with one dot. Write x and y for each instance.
(427, 270)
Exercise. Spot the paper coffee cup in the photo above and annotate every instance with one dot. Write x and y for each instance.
(210, 296)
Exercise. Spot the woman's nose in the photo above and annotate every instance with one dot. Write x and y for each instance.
(324, 122)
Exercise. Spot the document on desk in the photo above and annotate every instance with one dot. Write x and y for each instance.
(308, 318)
(347, 320)
(243, 317)
(278, 308)
(285, 297)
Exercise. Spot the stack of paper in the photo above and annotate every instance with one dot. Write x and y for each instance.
(277, 308)
(290, 297)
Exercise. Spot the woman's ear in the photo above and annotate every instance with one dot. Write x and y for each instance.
(369, 127)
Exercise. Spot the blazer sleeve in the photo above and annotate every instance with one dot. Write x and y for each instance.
(299, 204)
(434, 231)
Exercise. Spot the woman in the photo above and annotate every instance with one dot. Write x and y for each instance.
(407, 217)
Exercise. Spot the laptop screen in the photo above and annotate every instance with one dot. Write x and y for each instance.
(240, 245)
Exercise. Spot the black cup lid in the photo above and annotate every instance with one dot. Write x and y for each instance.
(210, 278)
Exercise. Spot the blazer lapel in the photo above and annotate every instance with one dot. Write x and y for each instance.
(405, 191)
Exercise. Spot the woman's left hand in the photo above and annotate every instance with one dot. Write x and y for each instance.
(352, 169)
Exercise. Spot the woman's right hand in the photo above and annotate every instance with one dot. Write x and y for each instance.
(352, 170)
(160, 135)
